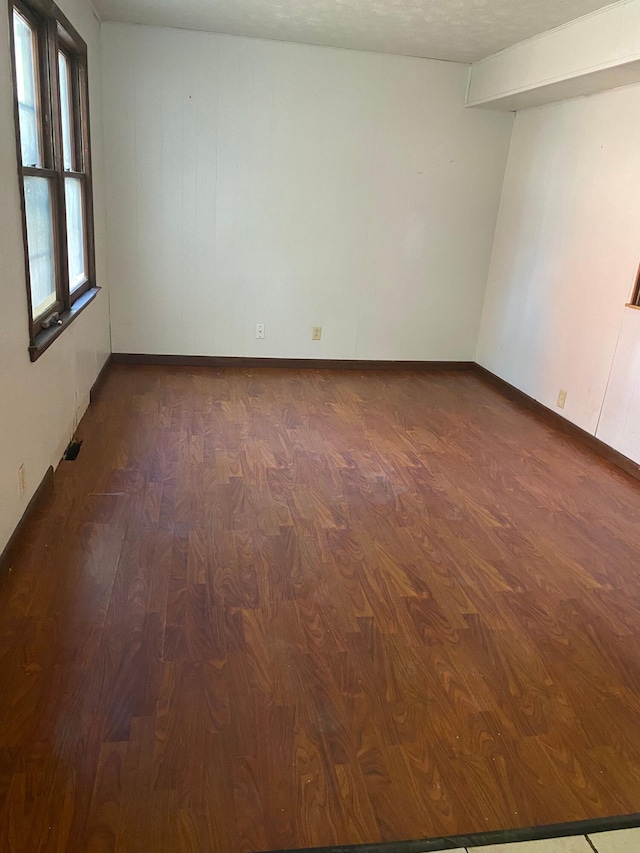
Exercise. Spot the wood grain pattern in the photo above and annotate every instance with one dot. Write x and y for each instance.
(271, 608)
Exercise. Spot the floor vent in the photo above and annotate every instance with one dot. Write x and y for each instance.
(71, 453)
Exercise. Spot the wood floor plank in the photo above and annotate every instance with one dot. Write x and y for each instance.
(272, 608)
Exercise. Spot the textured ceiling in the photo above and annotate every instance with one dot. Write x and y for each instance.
(460, 30)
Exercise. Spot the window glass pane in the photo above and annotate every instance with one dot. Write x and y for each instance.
(25, 46)
(75, 232)
(37, 196)
(65, 109)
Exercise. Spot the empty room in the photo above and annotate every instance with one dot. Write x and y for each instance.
(320, 426)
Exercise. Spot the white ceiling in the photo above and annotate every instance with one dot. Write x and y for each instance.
(460, 30)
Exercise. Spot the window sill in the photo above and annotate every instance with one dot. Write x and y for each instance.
(631, 305)
(46, 337)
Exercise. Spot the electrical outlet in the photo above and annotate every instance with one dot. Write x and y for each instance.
(22, 480)
(316, 334)
(259, 331)
(562, 399)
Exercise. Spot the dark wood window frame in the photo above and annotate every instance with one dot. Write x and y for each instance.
(635, 299)
(54, 35)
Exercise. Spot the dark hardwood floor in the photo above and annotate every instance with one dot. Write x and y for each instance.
(280, 608)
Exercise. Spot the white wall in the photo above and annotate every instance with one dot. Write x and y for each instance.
(262, 182)
(41, 402)
(620, 421)
(564, 261)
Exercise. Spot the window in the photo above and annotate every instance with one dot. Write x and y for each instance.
(635, 299)
(54, 167)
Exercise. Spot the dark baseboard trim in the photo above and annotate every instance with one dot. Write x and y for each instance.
(480, 839)
(42, 492)
(585, 438)
(97, 385)
(299, 363)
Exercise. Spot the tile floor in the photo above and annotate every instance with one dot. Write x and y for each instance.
(621, 841)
